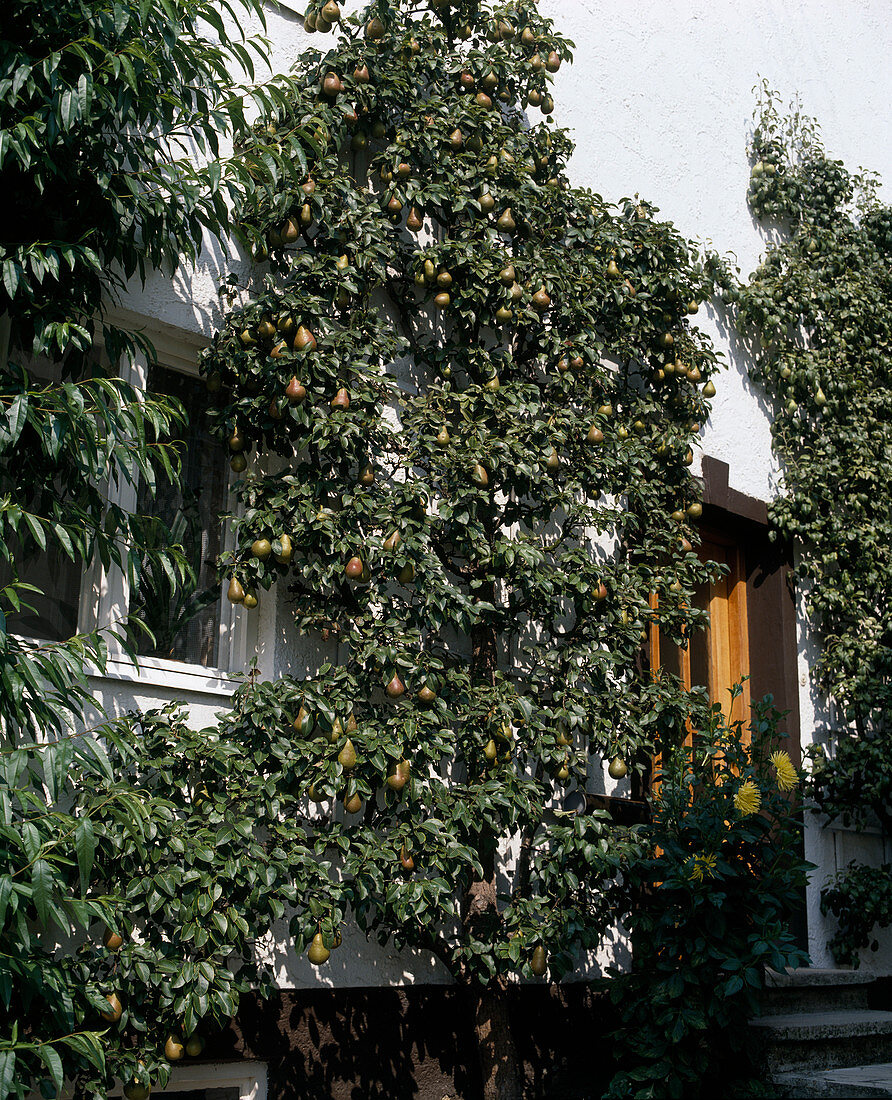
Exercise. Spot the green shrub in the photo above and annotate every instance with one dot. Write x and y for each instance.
(719, 877)
(859, 897)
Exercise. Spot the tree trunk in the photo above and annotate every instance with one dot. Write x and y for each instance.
(496, 1052)
(499, 1065)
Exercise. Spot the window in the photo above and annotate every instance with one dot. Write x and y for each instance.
(186, 622)
(198, 635)
(52, 613)
(220, 1081)
(718, 657)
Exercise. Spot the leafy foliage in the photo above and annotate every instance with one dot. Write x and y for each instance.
(478, 388)
(711, 900)
(820, 306)
(472, 508)
(475, 426)
(855, 784)
(175, 840)
(860, 898)
(81, 78)
(95, 205)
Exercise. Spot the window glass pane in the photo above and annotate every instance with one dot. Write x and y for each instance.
(699, 642)
(670, 655)
(55, 613)
(54, 617)
(186, 624)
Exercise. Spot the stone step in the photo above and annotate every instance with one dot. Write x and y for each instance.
(855, 1081)
(819, 1041)
(811, 990)
(815, 975)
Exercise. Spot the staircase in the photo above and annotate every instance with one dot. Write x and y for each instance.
(819, 1037)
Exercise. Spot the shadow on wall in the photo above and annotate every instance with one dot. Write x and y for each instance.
(417, 1043)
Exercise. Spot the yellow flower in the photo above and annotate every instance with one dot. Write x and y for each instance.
(703, 867)
(748, 799)
(786, 774)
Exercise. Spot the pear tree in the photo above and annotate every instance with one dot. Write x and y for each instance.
(462, 396)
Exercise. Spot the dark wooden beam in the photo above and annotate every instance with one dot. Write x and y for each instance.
(718, 493)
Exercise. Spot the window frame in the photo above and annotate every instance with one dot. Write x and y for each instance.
(250, 1078)
(105, 594)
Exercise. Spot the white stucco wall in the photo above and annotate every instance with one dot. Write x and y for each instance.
(660, 100)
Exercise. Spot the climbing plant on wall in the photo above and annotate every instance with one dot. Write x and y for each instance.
(821, 311)
(463, 396)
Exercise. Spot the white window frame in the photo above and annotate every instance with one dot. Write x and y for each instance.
(105, 594)
(249, 1078)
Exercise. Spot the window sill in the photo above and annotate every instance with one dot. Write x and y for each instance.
(155, 672)
(248, 1077)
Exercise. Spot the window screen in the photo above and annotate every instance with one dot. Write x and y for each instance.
(53, 612)
(185, 621)
(55, 607)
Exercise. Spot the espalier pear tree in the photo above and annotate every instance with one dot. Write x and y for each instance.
(463, 395)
